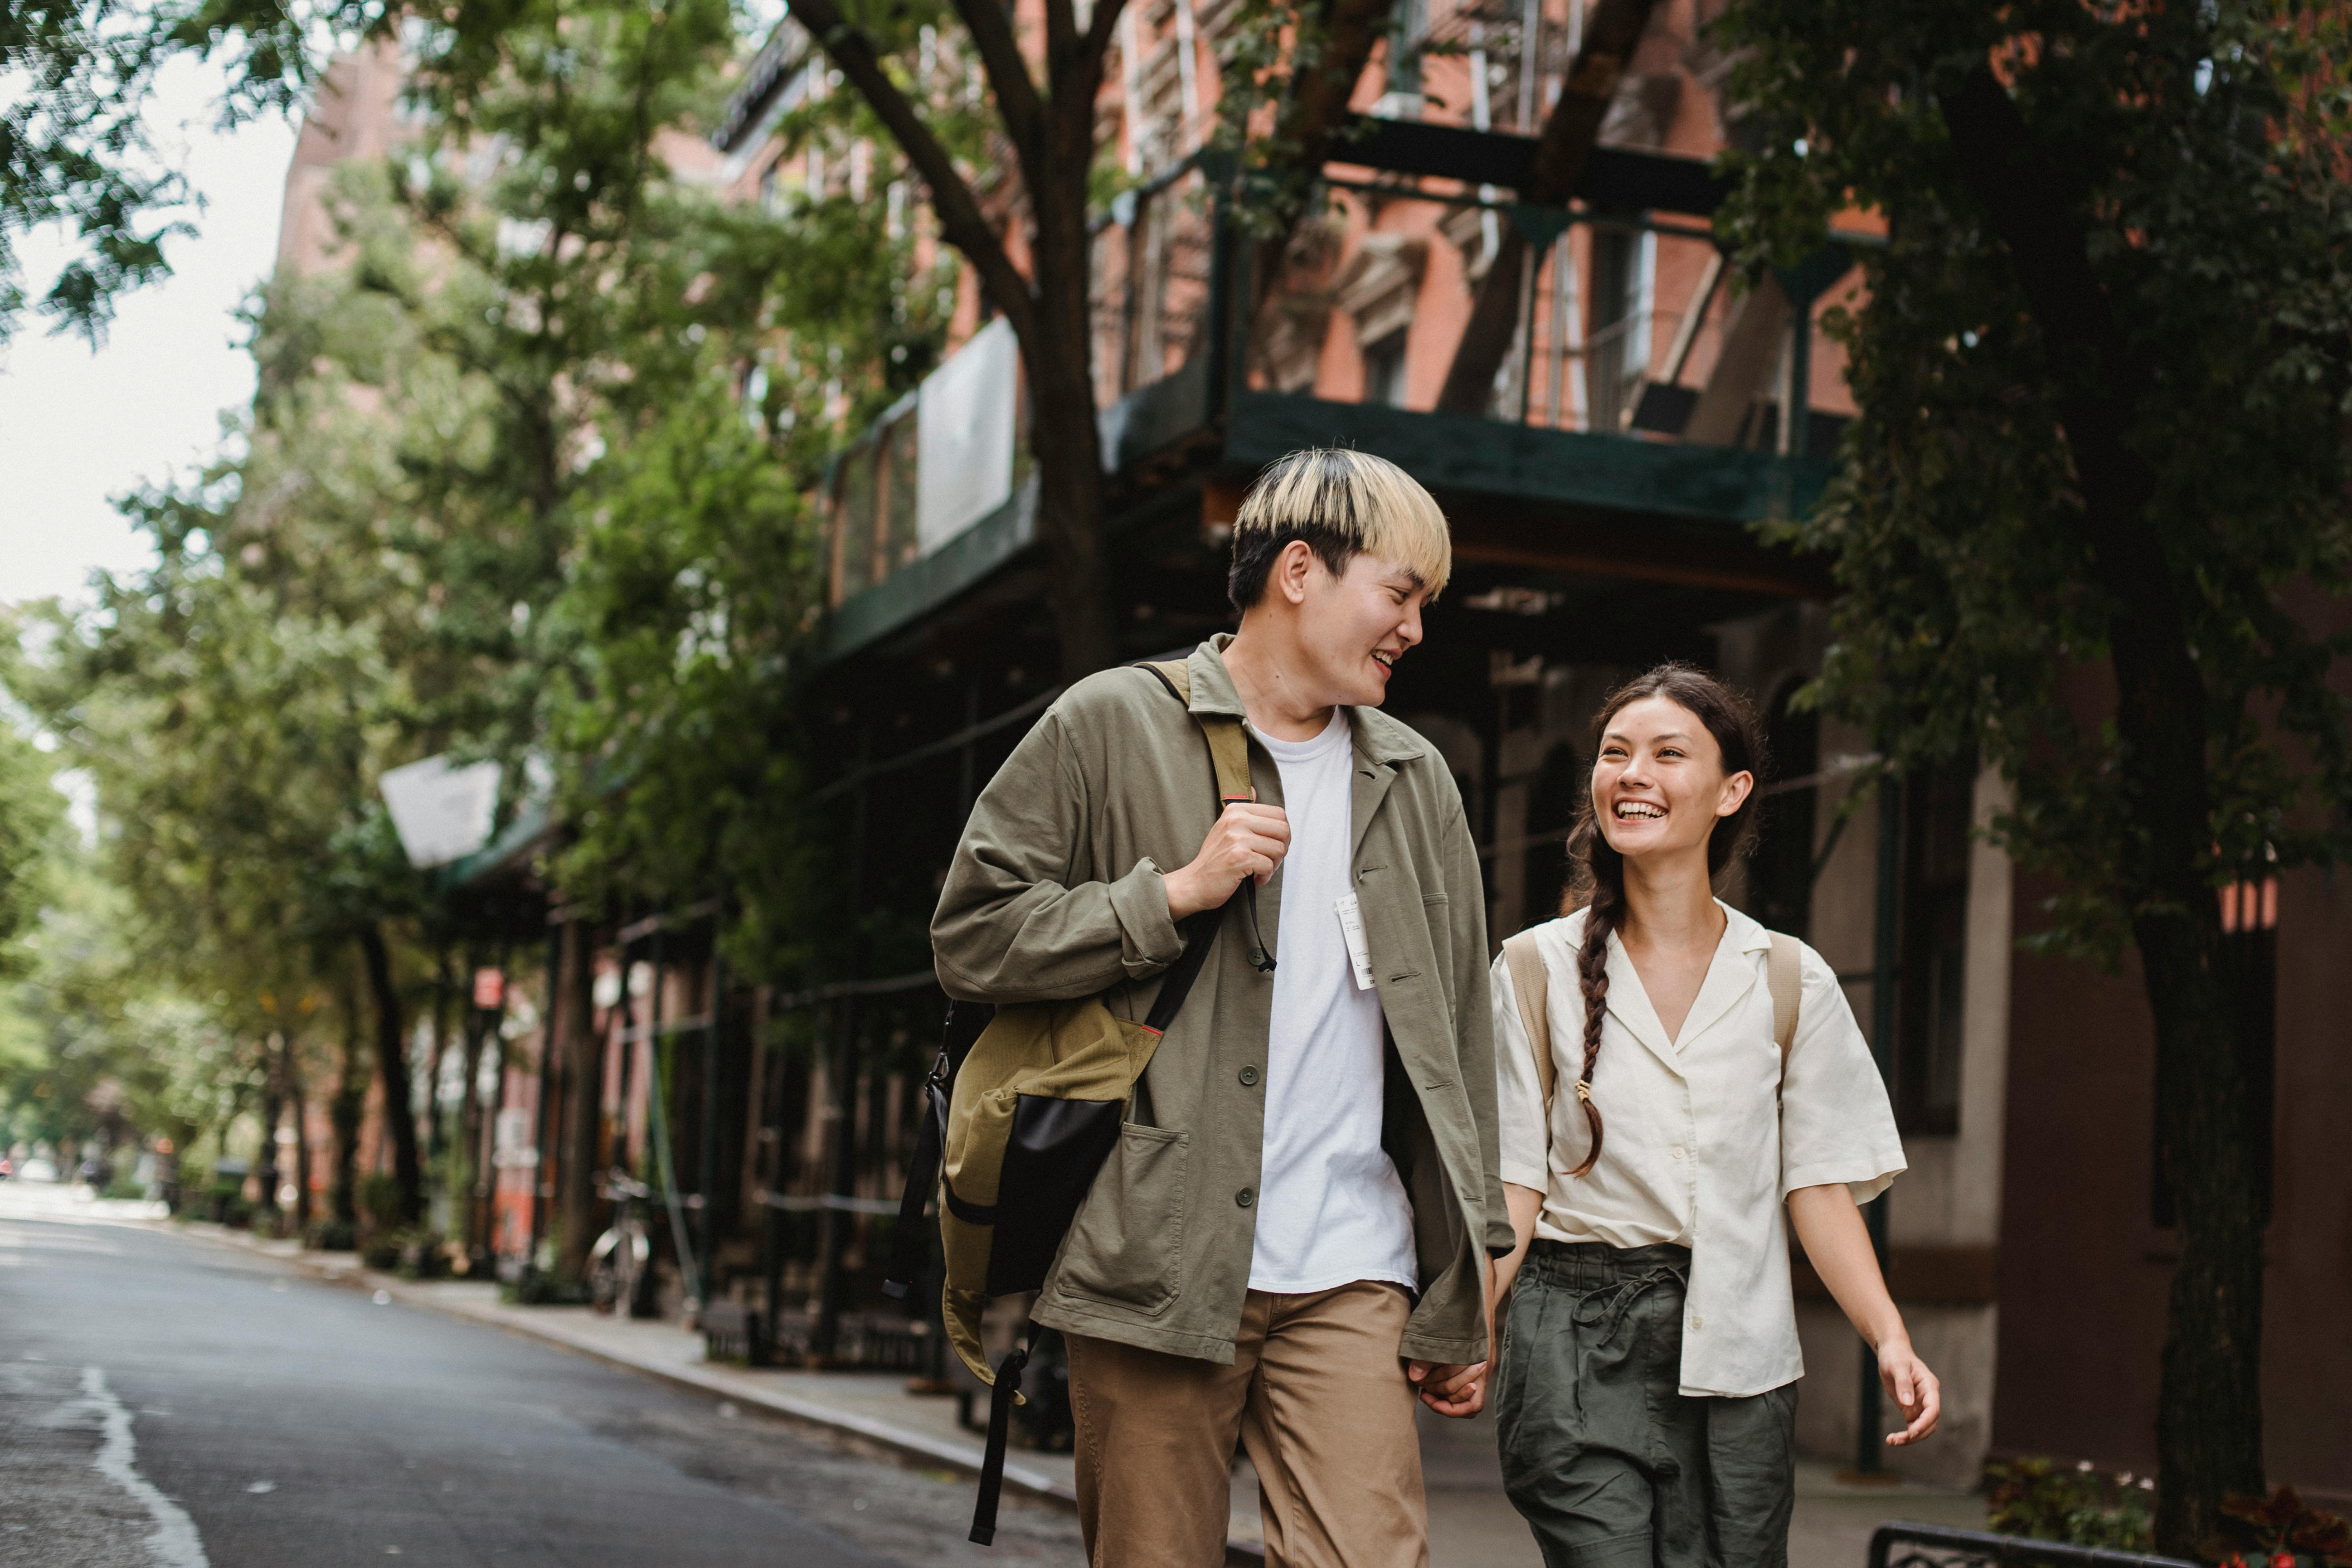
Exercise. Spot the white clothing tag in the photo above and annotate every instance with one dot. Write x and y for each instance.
(1351, 927)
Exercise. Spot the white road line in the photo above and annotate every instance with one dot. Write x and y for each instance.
(175, 1542)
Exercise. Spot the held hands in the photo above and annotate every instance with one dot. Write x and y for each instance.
(1912, 1387)
(1249, 840)
(1456, 1391)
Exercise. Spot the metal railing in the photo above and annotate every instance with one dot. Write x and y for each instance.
(1901, 1544)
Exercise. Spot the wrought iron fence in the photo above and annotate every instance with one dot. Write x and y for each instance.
(1901, 1544)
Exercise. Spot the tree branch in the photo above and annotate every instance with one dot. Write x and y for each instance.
(989, 23)
(1061, 44)
(1309, 121)
(1097, 43)
(961, 219)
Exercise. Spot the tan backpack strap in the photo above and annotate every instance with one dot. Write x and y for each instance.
(1228, 742)
(1229, 760)
(1530, 983)
(1784, 976)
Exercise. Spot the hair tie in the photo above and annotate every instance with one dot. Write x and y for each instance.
(1584, 1090)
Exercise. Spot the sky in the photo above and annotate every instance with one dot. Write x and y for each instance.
(77, 428)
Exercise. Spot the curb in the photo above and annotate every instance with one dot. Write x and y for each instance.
(904, 1445)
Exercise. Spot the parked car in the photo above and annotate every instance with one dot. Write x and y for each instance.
(7, 1167)
(38, 1170)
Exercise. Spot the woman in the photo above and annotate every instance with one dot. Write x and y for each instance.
(1647, 1401)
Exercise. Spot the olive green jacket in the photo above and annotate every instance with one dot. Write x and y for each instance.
(1055, 893)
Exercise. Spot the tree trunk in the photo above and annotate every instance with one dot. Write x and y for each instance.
(265, 1167)
(583, 1098)
(392, 1071)
(343, 1112)
(298, 1093)
(2209, 1414)
(465, 1163)
(1611, 32)
(1064, 435)
(435, 1141)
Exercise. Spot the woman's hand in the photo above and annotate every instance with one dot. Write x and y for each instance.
(1837, 1244)
(1456, 1391)
(1913, 1388)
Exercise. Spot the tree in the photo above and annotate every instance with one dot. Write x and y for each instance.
(32, 819)
(233, 736)
(2092, 522)
(72, 151)
(1051, 133)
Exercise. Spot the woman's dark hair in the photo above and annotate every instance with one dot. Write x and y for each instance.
(1598, 872)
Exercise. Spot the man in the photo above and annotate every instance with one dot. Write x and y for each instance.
(1291, 1238)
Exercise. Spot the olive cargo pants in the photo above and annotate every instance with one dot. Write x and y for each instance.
(1611, 1464)
(1316, 1394)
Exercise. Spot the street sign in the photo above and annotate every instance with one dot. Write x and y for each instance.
(442, 813)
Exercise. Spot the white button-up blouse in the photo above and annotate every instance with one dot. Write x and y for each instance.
(1698, 1148)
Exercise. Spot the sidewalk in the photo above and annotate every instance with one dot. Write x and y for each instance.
(1471, 1524)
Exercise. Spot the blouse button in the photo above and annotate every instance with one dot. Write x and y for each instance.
(1678, 1150)
(1697, 1322)
(1249, 1078)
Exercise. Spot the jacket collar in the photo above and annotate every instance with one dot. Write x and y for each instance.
(1377, 738)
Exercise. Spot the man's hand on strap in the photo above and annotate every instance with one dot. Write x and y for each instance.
(1248, 840)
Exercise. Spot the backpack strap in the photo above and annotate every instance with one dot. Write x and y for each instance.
(1229, 758)
(1228, 742)
(1784, 976)
(1531, 984)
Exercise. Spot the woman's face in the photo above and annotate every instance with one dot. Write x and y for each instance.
(1658, 784)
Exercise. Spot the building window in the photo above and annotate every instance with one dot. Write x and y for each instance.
(2249, 968)
(1781, 872)
(1933, 954)
(1384, 371)
(1617, 348)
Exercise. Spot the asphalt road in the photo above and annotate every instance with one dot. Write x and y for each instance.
(167, 1402)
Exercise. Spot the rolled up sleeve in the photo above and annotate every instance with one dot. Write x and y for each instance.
(1836, 1124)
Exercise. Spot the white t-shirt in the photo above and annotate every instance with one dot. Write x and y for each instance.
(1330, 1209)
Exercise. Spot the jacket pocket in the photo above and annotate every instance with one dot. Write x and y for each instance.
(1126, 1244)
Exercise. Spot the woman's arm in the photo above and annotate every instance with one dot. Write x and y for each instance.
(1838, 1245)
(1525, 1204)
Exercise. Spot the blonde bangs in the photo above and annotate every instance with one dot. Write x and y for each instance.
(1369, 502)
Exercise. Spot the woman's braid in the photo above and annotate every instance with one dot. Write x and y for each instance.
(1592, 977)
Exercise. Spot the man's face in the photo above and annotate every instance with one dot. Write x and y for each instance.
(1355, 626)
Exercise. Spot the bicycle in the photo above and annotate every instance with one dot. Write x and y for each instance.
(618, 1265)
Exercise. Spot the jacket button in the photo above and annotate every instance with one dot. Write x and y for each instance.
(1249, 1077)
(1246, 1196)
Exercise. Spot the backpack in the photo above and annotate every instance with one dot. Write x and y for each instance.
(1021, 1108)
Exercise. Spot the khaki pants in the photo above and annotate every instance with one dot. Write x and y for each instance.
(1317, 1395)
